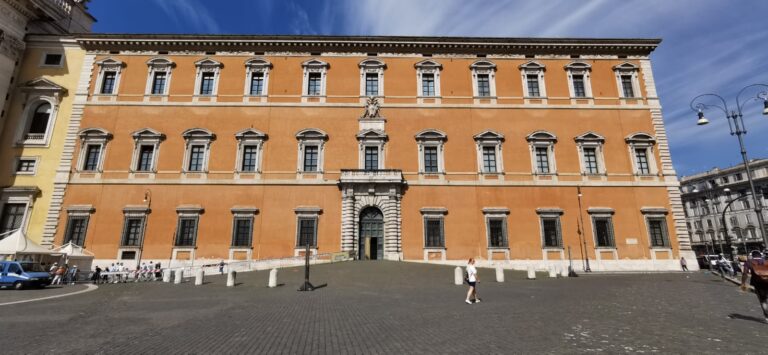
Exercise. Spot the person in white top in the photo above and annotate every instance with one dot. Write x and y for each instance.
(472, 279)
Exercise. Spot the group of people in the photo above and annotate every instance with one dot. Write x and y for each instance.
(118, 272)
(63, 273)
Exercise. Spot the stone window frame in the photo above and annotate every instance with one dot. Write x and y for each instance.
(371, 138)
(627, 68)
(489, 138)
(45, 55)
(580, 68)
(431, 138)
(314, 66)
(145, 137)
(483, 67)
(17, 161)
(434, 213)
(134, 212)
(35, 93)
(307, 213)
(243, 212)
(83, 212)
(106, 65)
(602, 213)
(256, 65)
(159, 64)
(311, 136)
(428, 66)
(372, 66)
(542, 139)
(551, 213)
(203, 66)
(658, 213)
(249, 137)
(642, 140)
(591, 139)
(89, 137)
(197, 136)
(187, 212)
(19, 195)
(496, 213)
(533, 68)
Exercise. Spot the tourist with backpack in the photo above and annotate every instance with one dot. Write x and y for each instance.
(757, 269)
(470, 277)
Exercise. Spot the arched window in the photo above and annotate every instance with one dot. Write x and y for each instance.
(39, 124)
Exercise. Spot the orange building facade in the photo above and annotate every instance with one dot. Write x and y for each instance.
(520, 152)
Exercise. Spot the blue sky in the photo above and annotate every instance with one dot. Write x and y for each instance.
(709, 45)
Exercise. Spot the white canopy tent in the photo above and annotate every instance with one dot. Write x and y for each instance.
(75, 255)
(17, 246)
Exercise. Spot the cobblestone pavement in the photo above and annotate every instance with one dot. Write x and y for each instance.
(390, 307)
(9, 295)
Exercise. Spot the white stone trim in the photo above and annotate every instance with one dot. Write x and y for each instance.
(158, 64)
(638, 141)
(252, 66)
(145, 137)
(489, 138)
(32, 99)
(483, 67)
(594, 140)
(92, 137)
(580, 68)
(371, 138)
(197, 136)
(106, 65)
(249, 138)
(17, 160)
(20, 195)
(307, 137)
(533, 68)
(204, 66)
(631, 69)
(372, 66)
(314, 66)
(431, 138)
(46, 53)
(428, 66)
(547, 140)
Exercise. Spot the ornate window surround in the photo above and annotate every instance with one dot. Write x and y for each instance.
(371, 138)
(312, 213)
(143, 137)
(314, 66)
(542, 139)
(434, 213)
(249, 137)
(242, 212)
(432, 138)
(501, 213)
(106, 65)
(656, 213)
(580, 68)
(534, 68)
(591, 139)
(551, 212)
(483, 66)
(428, 66)
(256, 65)
(628, 68)
(186, 211)
(197, 136)
(23, 195)
(489, 138)
(206, 65)
(34, 93)
(88, 137)
(78, 211)
(642, 140)
(372, 66)
(159, 64)
(134, 211)
(311, 136)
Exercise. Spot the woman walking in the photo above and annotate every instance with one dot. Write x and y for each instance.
(472, 280)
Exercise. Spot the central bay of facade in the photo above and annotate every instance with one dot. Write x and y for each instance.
(203, 149)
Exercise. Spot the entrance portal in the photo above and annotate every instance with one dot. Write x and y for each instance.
(371, 243)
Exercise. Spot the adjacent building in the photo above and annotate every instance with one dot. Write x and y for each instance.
(523, 151)
(707, 195)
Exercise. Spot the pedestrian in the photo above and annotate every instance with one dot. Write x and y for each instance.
(53, 269)
(57, 275)
(72, 275)
(221, 267)
(96, 275)
(472, 280)
(158, 272)
(757, 269)
(683, 264)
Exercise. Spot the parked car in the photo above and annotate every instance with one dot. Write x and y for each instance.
(19, 275)
(707, 261)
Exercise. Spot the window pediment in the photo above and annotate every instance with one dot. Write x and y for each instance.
(640, 137)
(250, 134)
(315, 64)
(371, 134)
(532, 66)
(483, 65)
(541, 136)
(311, 133)
(626, 66)
(43, 85)
(577, 65)
(94, 134)
(589, 137)
(428, 64)
(372, 64)
(258, 63)
(431, 135)
(489, 136)
(110, 62)
(160, 62)
(198, 133)
(147, 133)
(208, 63)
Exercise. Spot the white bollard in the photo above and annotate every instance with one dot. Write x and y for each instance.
(564, 271)
(199, 276)
(179, 275)
(552, 271)
(458, 276)
(499, 274)
(231, 278)
(272, 278)
(531, 273)
(167, 274)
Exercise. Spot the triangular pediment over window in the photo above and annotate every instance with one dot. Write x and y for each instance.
(42, 85)
(208, 62)
(372, 134)
(428, 63)
(489, 135)
(148, 133)
(315, 63)
(589, 137)
(251, 133)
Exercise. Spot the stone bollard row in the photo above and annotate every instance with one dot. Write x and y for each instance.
(499, 274)
(272, 278)
(564, 271)
(231, 276)
(458, 276)
(552, 271)
(199, 276)
(531, 273)
(167, 275)
(178, 276)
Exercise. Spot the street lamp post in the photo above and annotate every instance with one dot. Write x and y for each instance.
(737, 128)
(581, 231)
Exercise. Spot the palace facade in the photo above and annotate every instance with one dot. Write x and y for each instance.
(520, 151)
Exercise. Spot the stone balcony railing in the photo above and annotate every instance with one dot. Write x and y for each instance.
(56, 9)
(371, 176)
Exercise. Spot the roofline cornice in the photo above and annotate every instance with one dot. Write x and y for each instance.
(489, 45)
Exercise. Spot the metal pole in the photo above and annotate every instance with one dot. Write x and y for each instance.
(307, 286)
(758, 205)
(581, 232)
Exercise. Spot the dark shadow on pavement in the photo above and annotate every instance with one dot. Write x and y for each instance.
(743, 317)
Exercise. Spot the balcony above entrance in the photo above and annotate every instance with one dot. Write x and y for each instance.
(351, 176)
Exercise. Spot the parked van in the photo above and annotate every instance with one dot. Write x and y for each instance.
(20, 275)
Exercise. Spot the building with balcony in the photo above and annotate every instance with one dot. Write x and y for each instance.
(706, 195)
(430, 149)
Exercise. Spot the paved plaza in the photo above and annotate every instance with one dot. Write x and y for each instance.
(391, 307)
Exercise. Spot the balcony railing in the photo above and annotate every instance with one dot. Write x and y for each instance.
(57, 9)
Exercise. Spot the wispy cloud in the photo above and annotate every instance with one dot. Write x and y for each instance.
(189, 14)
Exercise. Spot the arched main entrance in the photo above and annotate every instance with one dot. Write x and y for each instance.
(371, 240)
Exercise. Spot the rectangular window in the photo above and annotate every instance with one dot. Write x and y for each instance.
(542, 160)
(13, 215)
(257, 83)
(590, 161)
(242, 231)
(313, 84)
(579, 88)
(603, 231)
(53, 59)
(371, 158)
(146, 158)
(371, 84)
(497, 233)
(196, 158)
(737, 177)
(430, 160)
(158, 83)
(26, 166)
(533, 85)
(310, 158)
(128, 255)
(250, 153)
(626, 86)
(76, 228)
(108, 82)
(307, 232)
(550, 228)
(186, 232)
(725, 179)
(133, 230)
(641, 158)
(483, 85)
(206, 83)
(433, 232)
(427, 84)
(489, 159)
(92, 153)
(657, 228)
